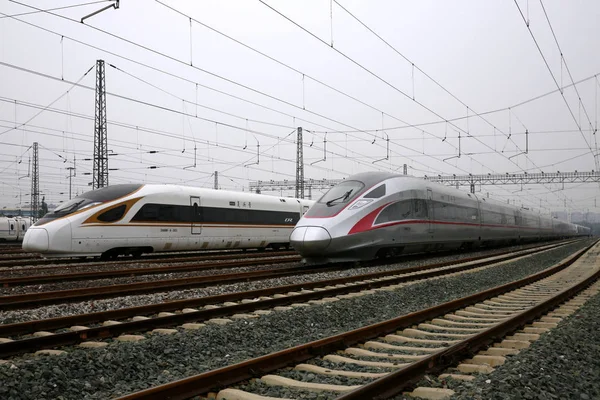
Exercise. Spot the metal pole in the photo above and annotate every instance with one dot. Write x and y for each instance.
(299, 166)
(100, 170)
(35, 184)
(70, 176)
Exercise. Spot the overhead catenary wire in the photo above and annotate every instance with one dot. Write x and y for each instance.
(494, 111)
(74, 84)
(195, 67)
(164, 108)
(181, 62)
(580, 103)
(177, 76)
(304, 75)
(162, 133)
(413, 67)
(386, 82)
(56, 8)
(554, 78)
(132, 147)
(143, 46)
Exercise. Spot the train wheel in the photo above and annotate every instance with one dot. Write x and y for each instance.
(109, 255)
(136, 254)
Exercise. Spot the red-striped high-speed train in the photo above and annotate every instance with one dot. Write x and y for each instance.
(134, 219)
(375, 214)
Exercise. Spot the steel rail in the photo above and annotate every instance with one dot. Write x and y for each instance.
(102, 292)
(69, 338)
(78, 276)
(11, 250)
(398, 381)
(148, 258)
(98, 292)
(226, 376)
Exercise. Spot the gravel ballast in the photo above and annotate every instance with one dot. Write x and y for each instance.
(563, 364)
(126, 367)
(62, 310)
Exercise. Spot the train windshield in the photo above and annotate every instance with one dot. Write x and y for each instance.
(89, 199)
(336, 199)
(342, 193)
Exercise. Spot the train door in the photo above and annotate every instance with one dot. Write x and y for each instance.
(12, 227)
(430, 209)
(196, 215)
(518, 223)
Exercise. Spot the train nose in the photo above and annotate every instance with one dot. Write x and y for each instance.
(310, 240)
(36, 240)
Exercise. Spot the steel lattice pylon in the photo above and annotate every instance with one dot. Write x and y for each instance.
(35, 184)
(299, 167)
(100, 171)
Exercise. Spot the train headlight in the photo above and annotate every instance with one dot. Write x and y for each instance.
(360, 203)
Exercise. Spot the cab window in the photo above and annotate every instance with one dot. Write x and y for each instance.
(376, 193)
(112, 215)
(341, 193)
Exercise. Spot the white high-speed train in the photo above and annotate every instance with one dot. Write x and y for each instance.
(376, 213)
(12, 229)
(135, 219)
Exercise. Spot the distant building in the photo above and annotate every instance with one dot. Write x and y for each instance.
(23, 212)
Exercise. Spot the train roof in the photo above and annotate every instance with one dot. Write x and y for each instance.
(114, 192)
(373, 177)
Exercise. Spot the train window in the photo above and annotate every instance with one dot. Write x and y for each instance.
(395, 212)
(23, 227)
(419, 208)
(342, 193)
(12, 227)
(197, 213)
(112, 215)
(148, 212)
(444, 211)
(166, 213)
(376, 193)
(110, 192)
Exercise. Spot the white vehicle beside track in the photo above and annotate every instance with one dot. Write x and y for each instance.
(135, 219)
(12, 229)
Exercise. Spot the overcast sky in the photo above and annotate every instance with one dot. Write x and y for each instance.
(174, 88)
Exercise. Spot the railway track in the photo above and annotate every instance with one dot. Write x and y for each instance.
(164, 316)
(19, 260)
(11, 302)
(52, 275)
(11, 250)
(403, 349)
